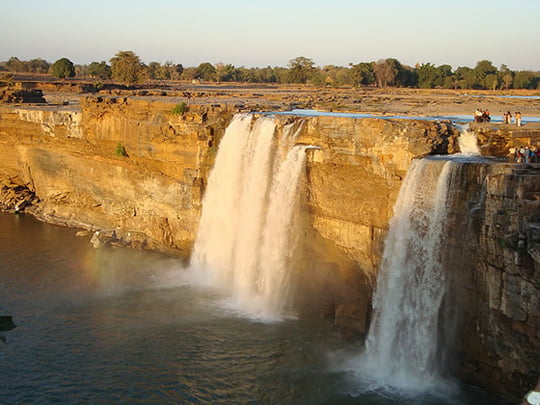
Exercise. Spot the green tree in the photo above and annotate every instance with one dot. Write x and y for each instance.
(14, 64)
(268, 75)
(100, 70)
(466, 77)
(39, 65)
(491, 81)
(189, 73)
(300, 69)
(228, 73)
(524, 80)
(127, 68)
(362, 74)
(206, 71)
(63, 68)
(506, 77)
(427, 75)
(337, 76)
(483, 69)
(177, 70)
(152, 69)
(169, 71)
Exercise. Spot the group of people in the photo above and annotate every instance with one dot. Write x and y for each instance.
(483, 116)
(507, 118)
(525, 154)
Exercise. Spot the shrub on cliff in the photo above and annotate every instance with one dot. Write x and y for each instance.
(180, 109)
(63, 68)
(121, 150)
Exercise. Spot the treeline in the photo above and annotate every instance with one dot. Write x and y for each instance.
(126, 67)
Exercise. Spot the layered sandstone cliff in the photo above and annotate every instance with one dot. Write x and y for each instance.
(149, 195)
(494, 274)
(136, 172)
(151, 192)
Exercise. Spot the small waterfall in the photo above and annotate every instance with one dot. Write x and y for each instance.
(247, 234)
(403, 346)
(468, 144)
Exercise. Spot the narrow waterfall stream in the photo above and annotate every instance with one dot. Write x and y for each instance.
(403, 347)
(468, 144)
(246, 235)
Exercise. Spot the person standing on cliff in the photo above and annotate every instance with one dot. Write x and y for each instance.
(512, 154)
(507, 117)
(518, 118)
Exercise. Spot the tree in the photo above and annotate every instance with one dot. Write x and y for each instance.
(15, 65)
(465, 77)
(100, 70)
(152, 70)
(189, 73)
(506, 77)
(483, 69)
(170, 71)
(300, 69)
(206, 71)
(386, 72)
(178, 69)
(39, 65)
(335, 75)
(427, 75)
(491, 81)
(126, 67)
(524, 80)
(362, 74)
(63, 68)
(228, 73)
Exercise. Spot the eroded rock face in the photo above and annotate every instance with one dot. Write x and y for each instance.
(69, 159)
(151, 196)
(494, 275)
(498, 139)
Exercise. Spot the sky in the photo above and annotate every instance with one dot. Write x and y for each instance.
(255, 33)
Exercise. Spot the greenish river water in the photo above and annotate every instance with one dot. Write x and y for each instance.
(112, 325)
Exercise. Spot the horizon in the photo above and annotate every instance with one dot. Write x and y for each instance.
(253, 34)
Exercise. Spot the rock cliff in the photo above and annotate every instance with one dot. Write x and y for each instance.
(147, 196)
(134, 171)
(494, 272)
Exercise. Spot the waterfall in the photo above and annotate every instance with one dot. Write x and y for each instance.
(468, 144)
(247, 231)
(403, 347)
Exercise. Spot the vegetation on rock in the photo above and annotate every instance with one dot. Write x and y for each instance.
(121, 150)
(180, 109)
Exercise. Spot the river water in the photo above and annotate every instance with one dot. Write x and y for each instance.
(114, 325)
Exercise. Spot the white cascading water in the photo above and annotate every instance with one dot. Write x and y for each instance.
(468, 143)
(246, 234)
(402, 347)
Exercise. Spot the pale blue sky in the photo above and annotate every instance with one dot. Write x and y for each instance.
(261, 33)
